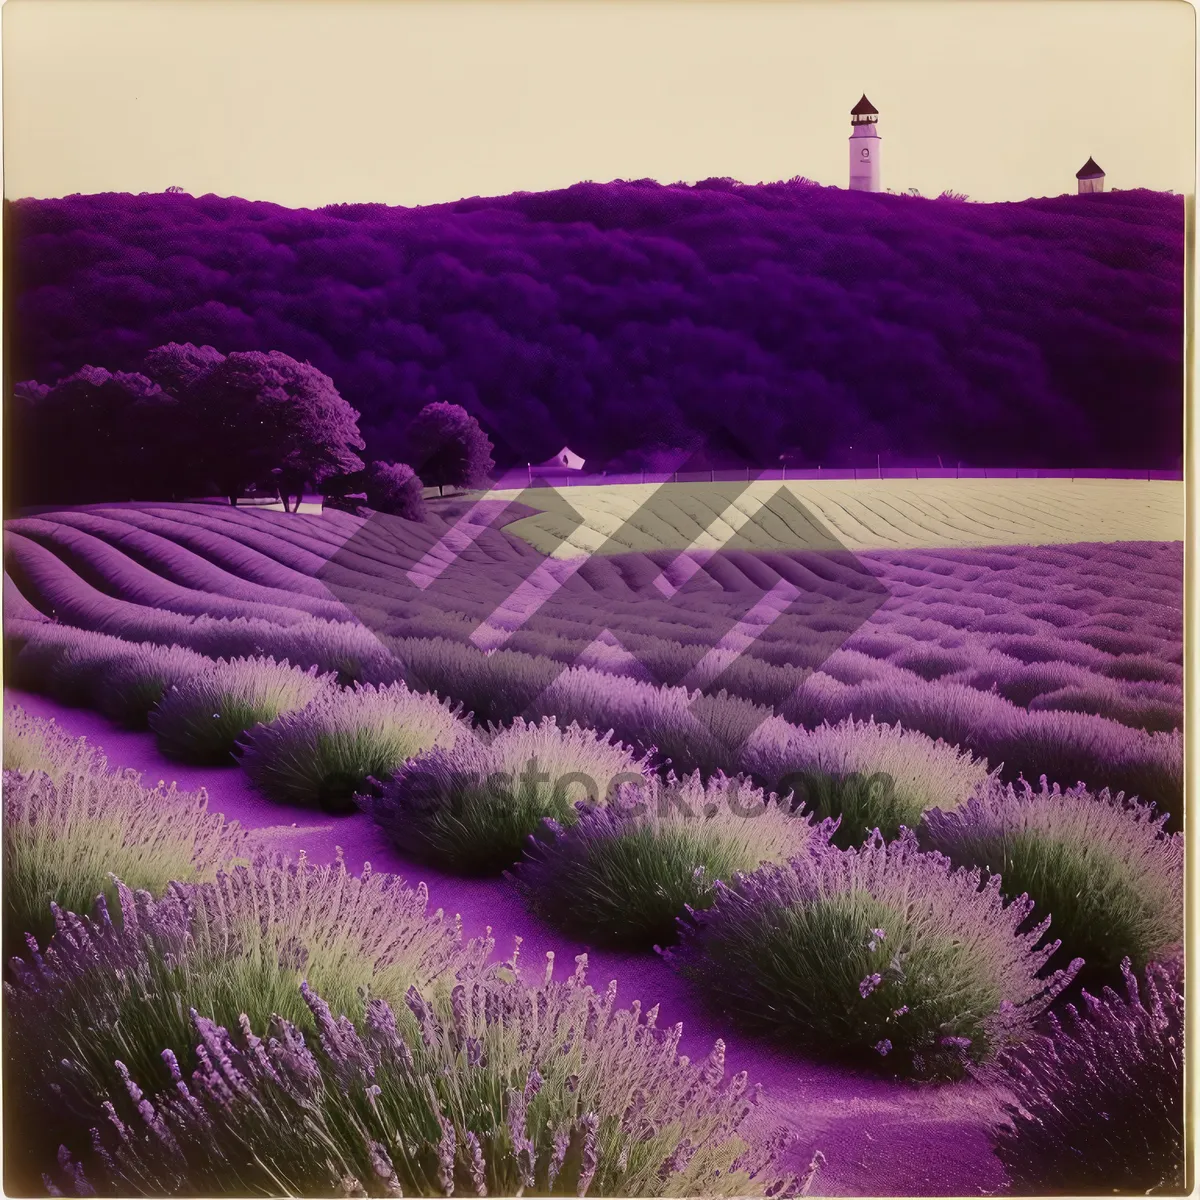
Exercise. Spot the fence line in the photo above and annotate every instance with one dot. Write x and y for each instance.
(521, 477)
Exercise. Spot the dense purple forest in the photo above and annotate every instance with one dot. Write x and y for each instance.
(621, 318)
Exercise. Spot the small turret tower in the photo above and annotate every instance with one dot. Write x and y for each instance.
(1091, 177)
(864, 147)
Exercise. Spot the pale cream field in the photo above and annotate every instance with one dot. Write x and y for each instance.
(864, 514)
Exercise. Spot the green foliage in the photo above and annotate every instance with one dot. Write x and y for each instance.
(508, 1090)
(1100, 864)
(879, 955)
(127, 688)
(241, 944)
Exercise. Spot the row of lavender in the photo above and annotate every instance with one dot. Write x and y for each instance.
(1087, 628)
(642, 847)
(692, 730)
(1051, 660)
(454, 1077)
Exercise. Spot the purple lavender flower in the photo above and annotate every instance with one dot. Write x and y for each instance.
(623, 873)
(201, 718)
(959, 951)
(471, 807)
(1097, 1105)
(883, 1046)
(57, 831)
(332, 1126)
(1101, 864)
(869, 984)
(320, 755)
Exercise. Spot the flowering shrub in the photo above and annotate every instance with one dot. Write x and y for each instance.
(320, 755)
(1098, 1104)
(872, 776)
(880, 953)
(1101, 864)
(46, 645)
(623, 873)
(40, 744)
(127, 688)
(471, 807)
(100, 991)
(202, 716)
(64, 834)
(513, 1090)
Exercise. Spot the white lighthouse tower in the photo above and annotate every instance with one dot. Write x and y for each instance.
(864, 147)
(1091, 177)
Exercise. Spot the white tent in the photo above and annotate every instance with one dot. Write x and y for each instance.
(565, 460)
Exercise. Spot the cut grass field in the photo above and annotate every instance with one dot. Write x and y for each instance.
(868, 514)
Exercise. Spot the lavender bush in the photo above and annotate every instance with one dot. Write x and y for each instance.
(1098, 1105)
(880, 953)
(103, 990)
(41, 744)
(201, 718)
(1101, 864)
(126, 689)
(64, 834)
(322, 754)
(45, 645)
(623, 873)
(872, 776)
(471, 807)
(514, 1090)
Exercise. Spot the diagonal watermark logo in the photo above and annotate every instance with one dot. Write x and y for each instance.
(696, 583)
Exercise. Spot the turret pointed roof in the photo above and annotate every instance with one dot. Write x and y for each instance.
(1089, 170)
(864, 108)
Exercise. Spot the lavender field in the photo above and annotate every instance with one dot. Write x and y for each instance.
(960, 765)
(405, 797)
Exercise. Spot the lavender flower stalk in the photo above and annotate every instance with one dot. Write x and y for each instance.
(376, 1106)
(788, 950)
(100, 990)
(1097, 1106)
(65, 834)
(624, 872)
(40, 744)
(870, 775)
(128, 688)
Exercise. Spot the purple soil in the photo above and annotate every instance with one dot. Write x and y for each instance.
(879, 1137)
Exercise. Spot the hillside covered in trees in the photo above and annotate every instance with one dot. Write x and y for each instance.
(624, 318)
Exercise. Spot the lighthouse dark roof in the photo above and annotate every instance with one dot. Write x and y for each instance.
(1089, 170)
(863, 108)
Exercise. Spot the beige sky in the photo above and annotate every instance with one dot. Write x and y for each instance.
(310, 102)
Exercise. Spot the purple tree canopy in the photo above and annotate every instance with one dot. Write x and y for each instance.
(828, 324)
(448, 446)
(175, 367)
(260, 415)
(95, 435)
(395, 488)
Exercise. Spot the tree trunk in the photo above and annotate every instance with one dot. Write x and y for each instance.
(233, 499)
